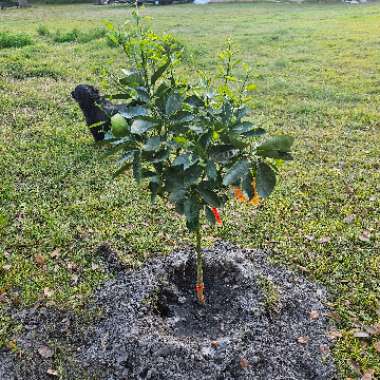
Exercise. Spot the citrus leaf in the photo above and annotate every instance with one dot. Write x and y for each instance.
(243, 127)
(212, 173)
(152, 144)
(265, 179)
(191, 209)
(173, 104)
(246, 185)
(140, 126)
(209, 197)
(158, 73)
(238, 170)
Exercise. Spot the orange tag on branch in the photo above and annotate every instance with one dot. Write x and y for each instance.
(216, 215)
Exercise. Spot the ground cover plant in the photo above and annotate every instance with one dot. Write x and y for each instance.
(316, 71)
(73, 35)
(14, 40)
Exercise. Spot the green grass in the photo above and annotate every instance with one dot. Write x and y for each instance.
(14, 40)
(317, 73)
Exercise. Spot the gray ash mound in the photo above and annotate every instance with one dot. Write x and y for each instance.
(256, 324)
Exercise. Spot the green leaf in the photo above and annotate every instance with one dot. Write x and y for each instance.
(125, 163)
(255, 132)
(210, 215)
(132, 78)
(238, 170)
(226, 111)
(182, 160)
(241, 112)
(192, 175)
(246, 185)
(160, 156)
(209, 197)
(140, 126)
(133, 111)
(211, 171)
(243, 127)
(156, 75)
(191, 209)
(173, 104)
(119, 96)
(177, 195)
(195, 101)
(142, 94)
(173, 180)
(180, 140)
(186, 160)
(182, 117)
(265, 179)
(222, 153)
(152, 144)
(137, 167)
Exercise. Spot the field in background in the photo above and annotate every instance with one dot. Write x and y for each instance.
(317, 74)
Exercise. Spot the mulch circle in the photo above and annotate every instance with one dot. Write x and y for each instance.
(260, 321)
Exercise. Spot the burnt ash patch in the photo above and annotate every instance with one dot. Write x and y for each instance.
(151, 326)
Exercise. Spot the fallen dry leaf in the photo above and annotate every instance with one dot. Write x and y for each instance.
(365, 236)
(48, 292)
(334, 315)
(324, 349)
(368, 375)
(360, 334)
(11, 345)
(52, 372)
(373, 330)
(39, 259)
(7, 267)
(303, 339)
(244, 363)
(313, 315)
(377, 346)
(334, 334)
(74, 279)
(215, 344)
(56, 253)
(45, 352)
(349, 219)
(324, 240)
(71, 266)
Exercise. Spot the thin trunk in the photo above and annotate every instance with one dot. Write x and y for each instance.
(200, 286)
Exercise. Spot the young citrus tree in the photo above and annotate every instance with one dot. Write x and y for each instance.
(190, 143)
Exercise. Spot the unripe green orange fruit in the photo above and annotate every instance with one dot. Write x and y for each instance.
(119, 126)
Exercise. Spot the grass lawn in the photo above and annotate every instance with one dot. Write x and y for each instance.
(317, 74)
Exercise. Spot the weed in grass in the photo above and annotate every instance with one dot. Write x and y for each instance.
(14, 40)
(271, 294)
(43, 31)
(76, 35)
(70, 36)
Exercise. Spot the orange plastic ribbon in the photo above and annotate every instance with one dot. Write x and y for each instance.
(199, 289)
(216, 215)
